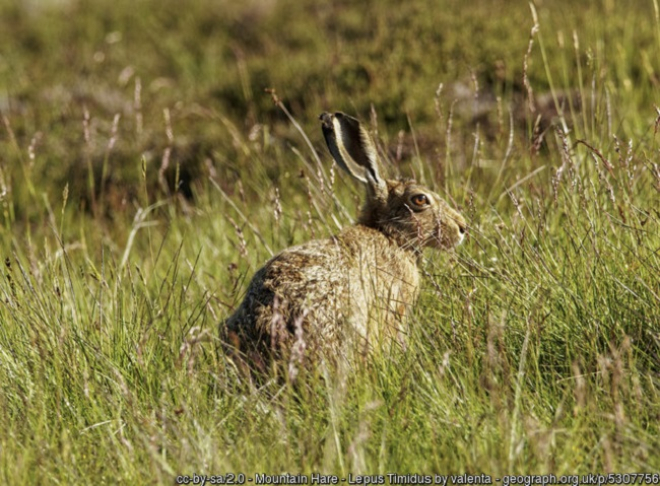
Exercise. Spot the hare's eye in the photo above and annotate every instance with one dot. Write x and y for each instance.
(420, 200)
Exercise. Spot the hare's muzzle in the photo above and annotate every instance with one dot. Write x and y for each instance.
(462, 231)
(451, 232)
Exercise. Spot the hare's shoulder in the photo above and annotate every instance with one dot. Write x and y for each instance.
(371, 244)
(329, 252)
(356, 250)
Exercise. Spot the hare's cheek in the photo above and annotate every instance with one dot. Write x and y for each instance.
(456, 237)
(439, 238)
(449, 237)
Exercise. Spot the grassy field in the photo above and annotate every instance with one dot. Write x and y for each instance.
(145, 174)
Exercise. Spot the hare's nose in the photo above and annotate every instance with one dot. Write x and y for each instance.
(462, 229)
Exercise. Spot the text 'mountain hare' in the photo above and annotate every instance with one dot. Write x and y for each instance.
(328, 299)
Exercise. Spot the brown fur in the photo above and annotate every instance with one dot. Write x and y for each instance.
(330, 299)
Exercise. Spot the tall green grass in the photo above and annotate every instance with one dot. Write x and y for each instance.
(145, 175)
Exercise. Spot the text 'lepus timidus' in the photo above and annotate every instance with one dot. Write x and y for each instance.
(330, 299)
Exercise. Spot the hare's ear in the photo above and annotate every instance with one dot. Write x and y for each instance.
(353, 150)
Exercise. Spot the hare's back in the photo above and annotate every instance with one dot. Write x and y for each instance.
(305, 274)
(301, 285)
(359, 282)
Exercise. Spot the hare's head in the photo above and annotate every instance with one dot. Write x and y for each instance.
(404, 210)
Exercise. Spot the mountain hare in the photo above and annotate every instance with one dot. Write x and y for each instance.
(350, 293)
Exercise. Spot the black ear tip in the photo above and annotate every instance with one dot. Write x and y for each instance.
(326, 118)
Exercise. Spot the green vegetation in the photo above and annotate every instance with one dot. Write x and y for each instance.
(145, 174)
